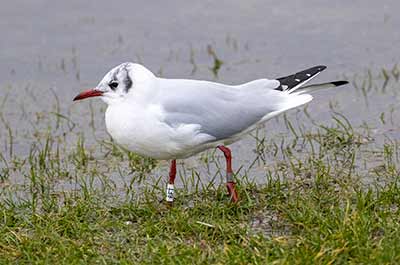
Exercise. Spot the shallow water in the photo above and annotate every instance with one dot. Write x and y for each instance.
(51, 50)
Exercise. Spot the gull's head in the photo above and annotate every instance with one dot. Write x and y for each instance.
(119, 83)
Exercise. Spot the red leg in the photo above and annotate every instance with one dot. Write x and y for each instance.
(170, 186)
(230, 183)
(172, 172)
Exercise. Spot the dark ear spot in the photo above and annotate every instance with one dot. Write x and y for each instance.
(128, 82)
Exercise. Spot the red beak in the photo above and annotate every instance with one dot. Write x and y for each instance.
(87, 94)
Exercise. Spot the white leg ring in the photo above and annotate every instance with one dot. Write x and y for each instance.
(170, 193)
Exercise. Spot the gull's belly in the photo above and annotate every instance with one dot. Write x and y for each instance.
(141, 136)
(145, 134)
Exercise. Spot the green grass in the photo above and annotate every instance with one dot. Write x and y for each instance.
(282, 221)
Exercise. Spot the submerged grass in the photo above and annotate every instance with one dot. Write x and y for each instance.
(312, 208)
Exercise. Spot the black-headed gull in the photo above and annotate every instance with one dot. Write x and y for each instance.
(171, 119)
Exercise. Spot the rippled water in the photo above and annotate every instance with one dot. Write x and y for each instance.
(50, 50)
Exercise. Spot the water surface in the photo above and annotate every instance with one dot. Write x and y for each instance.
(51, 50)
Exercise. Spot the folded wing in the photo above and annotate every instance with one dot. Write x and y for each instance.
(223, 111)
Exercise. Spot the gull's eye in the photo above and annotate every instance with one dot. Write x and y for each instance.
(113, 85)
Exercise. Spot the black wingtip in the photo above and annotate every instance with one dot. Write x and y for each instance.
(339, 83)
(291, 82)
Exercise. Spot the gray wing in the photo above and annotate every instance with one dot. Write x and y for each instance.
(222, 111)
